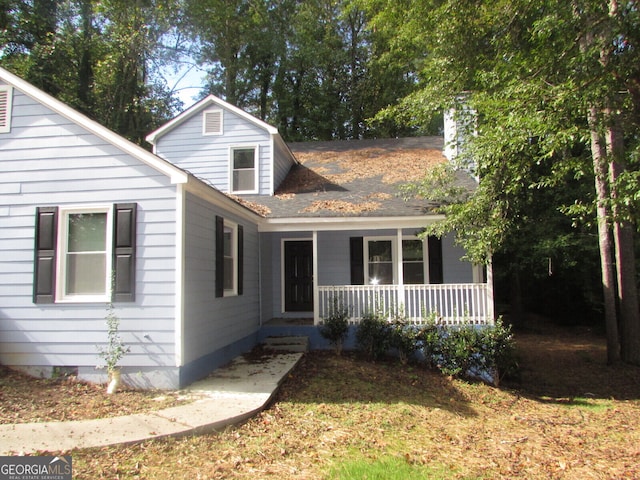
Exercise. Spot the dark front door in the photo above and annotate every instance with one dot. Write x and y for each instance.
(298, 279)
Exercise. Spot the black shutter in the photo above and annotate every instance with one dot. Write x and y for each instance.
(124, 252)
(219, 256)
(356, 248)
(436, 274)
(44, 271)
(240, 258)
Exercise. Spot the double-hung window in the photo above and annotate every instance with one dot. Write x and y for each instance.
(379, 253)
(412, 261)
(244, 169)
(85, 253)
(229, 257)
(84, 262)
(378, 259)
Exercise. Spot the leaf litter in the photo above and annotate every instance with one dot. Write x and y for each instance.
(574, 422)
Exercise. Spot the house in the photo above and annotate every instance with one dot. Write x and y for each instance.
(200, 244)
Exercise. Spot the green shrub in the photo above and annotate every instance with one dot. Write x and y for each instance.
(336, 326)
(404, 337)
(469, 350)
(497, 351)
(459, 348)
(372, 335)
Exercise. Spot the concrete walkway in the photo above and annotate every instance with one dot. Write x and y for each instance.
(229, 396)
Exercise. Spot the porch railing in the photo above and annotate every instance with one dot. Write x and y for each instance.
(448, 304)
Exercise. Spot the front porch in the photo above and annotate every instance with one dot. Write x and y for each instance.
(383, 271)
(447, 304)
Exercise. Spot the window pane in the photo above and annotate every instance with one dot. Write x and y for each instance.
(412, 250)
(87, 232)
(228, 273)
(380, 251)
(229, 262)
(86, 273)
(86, 257)
(243, 158)
(243, 180)
(413, 273)
(228, 244)
(381, 273)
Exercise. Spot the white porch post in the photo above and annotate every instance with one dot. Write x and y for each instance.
(400, 280)
(490, 301)
(316, 293)
(476, 271)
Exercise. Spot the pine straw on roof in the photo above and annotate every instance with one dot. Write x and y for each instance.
(341, 206)
(321, 170)
(393, 166)
(261, 210)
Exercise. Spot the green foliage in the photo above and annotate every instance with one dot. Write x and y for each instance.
(496, 351)
(373, 335)
(102, 58)
(468, 349)
(311, 68)
(455, 350)
(115, 349)
(336, 326)
(531, 71)
(404, 337)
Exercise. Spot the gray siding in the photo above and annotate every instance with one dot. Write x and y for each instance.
(208, 156)
(283, 161)
(267, 267)
(213, 323)
(455, 269)
(48, 161)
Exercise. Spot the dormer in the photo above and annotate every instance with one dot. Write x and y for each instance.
(226, 147)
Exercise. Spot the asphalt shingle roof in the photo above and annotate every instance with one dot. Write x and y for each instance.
(355, 178)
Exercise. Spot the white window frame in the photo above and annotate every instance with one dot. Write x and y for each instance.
(7, 92)
(205, 113)
(230, 292)
(394, 265)
(256, 163)
(396, 256)
(61, 254)
(425, 259)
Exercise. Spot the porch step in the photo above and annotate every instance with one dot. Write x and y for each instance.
(287, 344)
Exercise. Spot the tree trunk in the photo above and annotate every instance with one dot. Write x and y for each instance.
(623, 234)
(600, 167)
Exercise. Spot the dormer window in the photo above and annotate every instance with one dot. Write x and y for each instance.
(212, 122)
(244, 170)
(6, 94)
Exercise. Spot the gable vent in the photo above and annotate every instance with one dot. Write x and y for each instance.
(212, 122)
(5, 109)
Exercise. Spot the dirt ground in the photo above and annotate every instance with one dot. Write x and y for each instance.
(566, 416)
